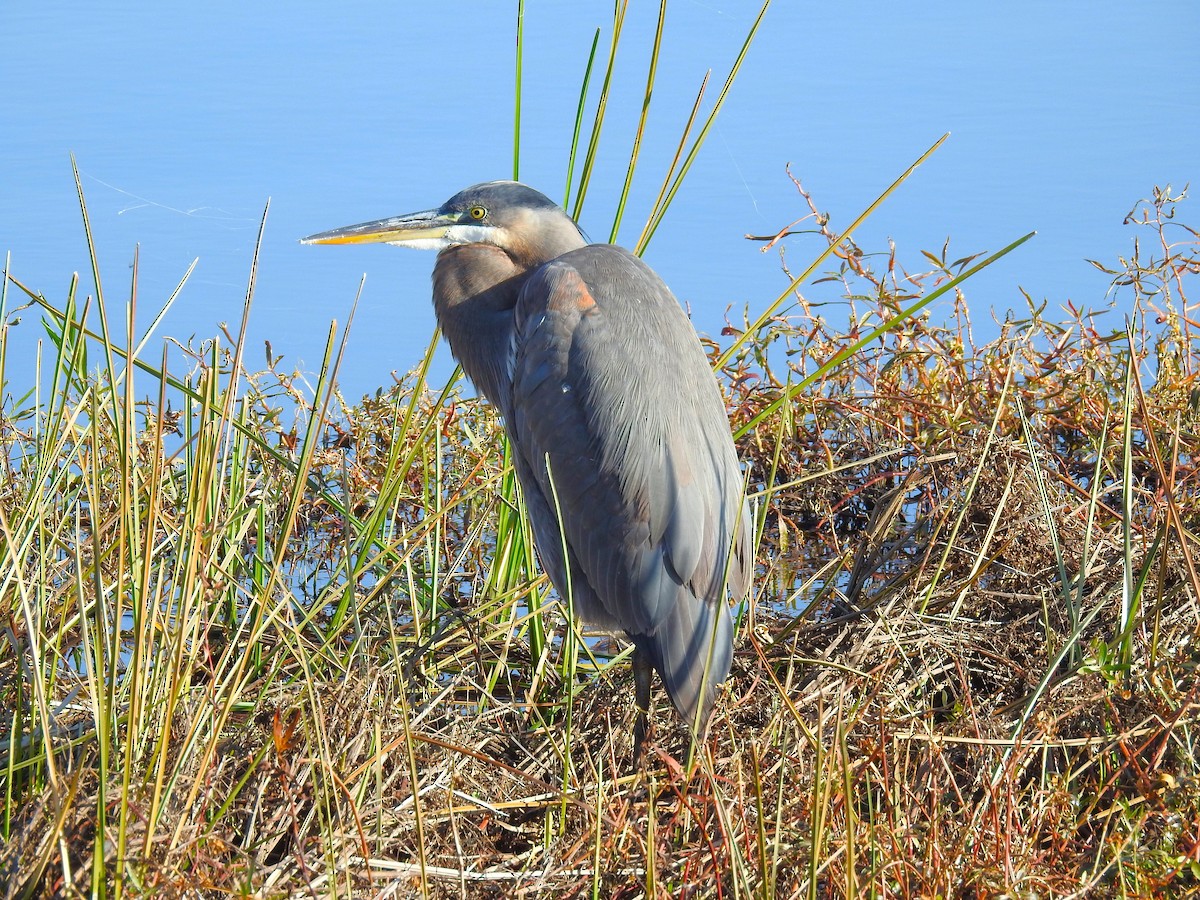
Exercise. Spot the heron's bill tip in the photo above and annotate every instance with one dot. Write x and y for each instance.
(415, 227)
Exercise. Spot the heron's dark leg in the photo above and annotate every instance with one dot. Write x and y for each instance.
(642, 671)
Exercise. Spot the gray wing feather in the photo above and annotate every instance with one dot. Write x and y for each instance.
(621, 432)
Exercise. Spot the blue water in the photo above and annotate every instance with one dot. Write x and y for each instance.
(186, 118)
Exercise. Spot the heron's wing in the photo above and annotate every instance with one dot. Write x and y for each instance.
(622, 438)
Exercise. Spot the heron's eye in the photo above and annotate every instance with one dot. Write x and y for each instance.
(477, 212)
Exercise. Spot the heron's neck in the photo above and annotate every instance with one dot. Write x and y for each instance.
(475, 289)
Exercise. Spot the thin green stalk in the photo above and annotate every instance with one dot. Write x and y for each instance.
(70, 356)
(776, 850)
(570, 652)
(651, 881)
(579, 110)
(644, 238)
(101, 309)
(98, 662)
(1128, 591)
(761, 844)
(660, 212)
(4, 323)
(135, 560)
(589, 159)
(641, 126)
(517, 97)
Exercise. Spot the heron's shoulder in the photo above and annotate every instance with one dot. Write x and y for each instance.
(603, 260)
(611, 274)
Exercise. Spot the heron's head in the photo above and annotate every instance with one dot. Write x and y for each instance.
(525, 223)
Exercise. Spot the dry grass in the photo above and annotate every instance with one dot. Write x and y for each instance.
(258, 645)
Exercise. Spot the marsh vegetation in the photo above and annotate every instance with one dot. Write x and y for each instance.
(257, 638)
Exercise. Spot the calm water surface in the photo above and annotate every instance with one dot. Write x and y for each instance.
(186, 119)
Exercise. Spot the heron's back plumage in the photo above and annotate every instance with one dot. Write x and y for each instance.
(621, 436)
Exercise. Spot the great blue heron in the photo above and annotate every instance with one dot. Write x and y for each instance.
(618, 429)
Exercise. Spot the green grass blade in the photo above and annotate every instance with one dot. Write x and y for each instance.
(517, 91)
(660, 212)
(589, 159)
(579, 110)
(635, 150)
